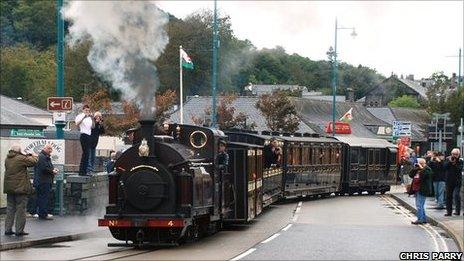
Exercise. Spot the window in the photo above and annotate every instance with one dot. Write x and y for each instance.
(354, 155)
(362, 156)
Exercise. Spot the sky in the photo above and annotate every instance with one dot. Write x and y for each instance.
(401, 37)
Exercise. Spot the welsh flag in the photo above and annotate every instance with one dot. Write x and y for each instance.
(347, 117)
(186, 61)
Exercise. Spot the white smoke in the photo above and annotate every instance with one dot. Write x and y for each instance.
(127, 37)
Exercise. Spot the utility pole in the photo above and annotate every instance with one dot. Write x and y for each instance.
(214, 79)
(59, 93)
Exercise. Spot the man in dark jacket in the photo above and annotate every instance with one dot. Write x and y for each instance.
(222, 159)
(17, 186)
(423, 174)
(44, 174)
(453, 169)
(438, 177)
(97, 130)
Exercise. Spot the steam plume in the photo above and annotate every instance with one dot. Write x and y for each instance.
(127, 37)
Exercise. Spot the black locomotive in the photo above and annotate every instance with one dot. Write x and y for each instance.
(167, 187)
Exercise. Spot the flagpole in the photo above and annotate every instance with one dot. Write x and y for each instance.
(181, 87)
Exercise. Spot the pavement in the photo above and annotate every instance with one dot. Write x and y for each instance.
(61, 228)
(454, 225)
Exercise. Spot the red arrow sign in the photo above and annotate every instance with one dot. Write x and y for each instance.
(59, 103)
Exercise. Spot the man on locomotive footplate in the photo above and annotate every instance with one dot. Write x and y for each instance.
(222, 158)
(272, 153)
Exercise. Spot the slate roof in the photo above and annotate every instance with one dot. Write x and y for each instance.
(196, 105)
(21, 107)
(419, 119)
(11, 118)
(317, 113)
(415, 86)
(383, 113)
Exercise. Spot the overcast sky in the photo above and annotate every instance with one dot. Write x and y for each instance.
(412, 37)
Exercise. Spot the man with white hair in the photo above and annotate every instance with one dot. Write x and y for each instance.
(422, 186)
(44, 173)
(17, 187)
(453, 169)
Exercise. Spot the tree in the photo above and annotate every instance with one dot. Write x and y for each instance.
(279, 112)
(227, 118)
(405, 101)
(27, 73)
(442, 99)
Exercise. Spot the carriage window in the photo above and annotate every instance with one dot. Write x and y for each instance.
(392, 158)
(354, 155)
(383, 157)
(289, 156)
(370, 157)
(338, 155)
(330, 155)
(305, 156)
(376, 156)
(313, 156)
(321, 156)
(362, 156)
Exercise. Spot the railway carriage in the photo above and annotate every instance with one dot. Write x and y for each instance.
(369, 165)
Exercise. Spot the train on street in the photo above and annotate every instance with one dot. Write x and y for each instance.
(167, 188)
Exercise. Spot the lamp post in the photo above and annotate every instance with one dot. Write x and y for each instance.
(214, 76)
(335, 71)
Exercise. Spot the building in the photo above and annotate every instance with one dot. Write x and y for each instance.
(195, 106)
(392, 88)
(26, 110)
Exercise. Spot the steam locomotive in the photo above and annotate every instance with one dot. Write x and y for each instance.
(167, 187)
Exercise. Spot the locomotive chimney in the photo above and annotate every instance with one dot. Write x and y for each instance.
(147, 129)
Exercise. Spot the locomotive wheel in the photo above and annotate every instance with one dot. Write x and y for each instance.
(382, 192)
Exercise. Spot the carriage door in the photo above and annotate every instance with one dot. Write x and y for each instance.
(363, 171)
(259, 181)
(354, 166)
(377, 168)
(370, 166)
(251, 174)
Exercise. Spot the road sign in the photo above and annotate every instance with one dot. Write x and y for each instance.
(59, 103)
(401, 129)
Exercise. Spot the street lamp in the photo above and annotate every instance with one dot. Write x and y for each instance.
(335, 70)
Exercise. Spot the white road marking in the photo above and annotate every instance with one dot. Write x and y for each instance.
(270, 238)
(427, 227)
(244, 254)
(300, 203)
(298, 209)
(287, 227)
(295, 218)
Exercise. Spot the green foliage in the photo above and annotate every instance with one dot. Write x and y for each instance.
(28, 73)
(442, 99)
(404, 101)
(29, 27)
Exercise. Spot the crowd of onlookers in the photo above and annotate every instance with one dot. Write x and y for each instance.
(433, 175)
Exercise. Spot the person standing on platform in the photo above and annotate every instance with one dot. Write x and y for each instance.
(96, 131)
(17, 187)
(453, 169)
(45, 173)
(438, 177)
(222, 159)
(422, 187)
(84, 122)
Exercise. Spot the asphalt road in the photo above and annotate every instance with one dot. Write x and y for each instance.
(342, 228)
(350, 228)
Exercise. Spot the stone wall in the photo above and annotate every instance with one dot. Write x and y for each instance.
(86, 195)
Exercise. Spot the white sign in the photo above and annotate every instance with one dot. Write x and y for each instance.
(36, 146)
(59, 116)
(401, 129)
